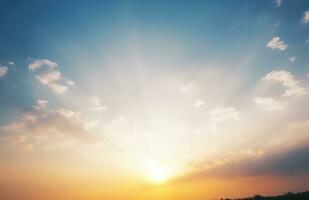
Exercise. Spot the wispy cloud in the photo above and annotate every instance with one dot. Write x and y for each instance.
(48, 75)
(305, 18)
(3, 71)
(292, 59)
(37, 64)
(288, 80)
(199, 103)
(96, 103)
(39, 128)
(252, 163)
(269, 104)
(186, 88)
(278, 3)
(220, 114)
(11, 63)
(41, 104)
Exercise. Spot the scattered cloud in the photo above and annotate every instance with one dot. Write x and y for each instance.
(199, 103)
(70, 82)
(278, 3)
(186, 88)
(11, 63)
(276, 43)
(37, 64)
(41, 104)
(96, 103)
(3, 71)
(305, 18)
(94, 100)
(277, 24)
(45, 127)
(70, 114)
(292, 59)
(48, 75)
(220, 114)
(288, 80)
(269, 104)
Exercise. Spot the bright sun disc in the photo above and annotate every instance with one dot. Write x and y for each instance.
(158, 173)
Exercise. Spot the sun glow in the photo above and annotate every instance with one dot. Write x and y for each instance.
(157, 172)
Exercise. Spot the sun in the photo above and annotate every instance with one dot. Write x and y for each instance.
(157, 172)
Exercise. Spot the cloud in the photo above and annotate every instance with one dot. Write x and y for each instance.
(37, 64)
(277, 24)
(48, 75)
(96, 103)
(11, 63)
(199, 103)
(70, 114)
(246, 163)
(70, 82)
(278, 3)
(3, 71)
(269, 104)
(58, 88)
(185, 88)
(288, 80)
(276, 43)
(41, 128)
(292, 59)
(220, 114)
(41, 104)
(305, 18)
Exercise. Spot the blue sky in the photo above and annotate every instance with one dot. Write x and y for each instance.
(138, 75)
(206, 30)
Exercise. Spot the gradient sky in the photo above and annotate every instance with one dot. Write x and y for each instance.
(153, 100)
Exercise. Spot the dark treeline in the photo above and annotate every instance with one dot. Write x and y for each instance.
(286, 196)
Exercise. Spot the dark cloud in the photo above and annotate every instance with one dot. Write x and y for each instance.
(292, 161)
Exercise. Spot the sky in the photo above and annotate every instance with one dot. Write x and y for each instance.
(151, 100)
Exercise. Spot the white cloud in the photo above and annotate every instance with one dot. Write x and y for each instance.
(186, 88)
(47, 127)
(199, 103)
(269, 104)
(307, 41)
(99, 108)
(96, 103)
(58, 88)
(219, 114)
(278, 3)
(94, 100)
(39, 63)
(305, 18)
(48, 75)
(287, 80)
(3, 71)
(11, 63)
(70, 114)
(41, 104)
(70, 82)
(276, 43)
(292, 59)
